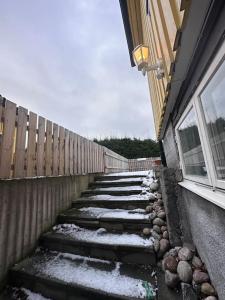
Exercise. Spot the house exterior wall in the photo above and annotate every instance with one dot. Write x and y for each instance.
(158, 24)
(170, 148)
(201, 220)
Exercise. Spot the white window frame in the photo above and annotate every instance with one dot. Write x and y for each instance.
(195, 103)
(201, 179)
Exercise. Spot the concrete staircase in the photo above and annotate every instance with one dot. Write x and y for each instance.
(96, 251)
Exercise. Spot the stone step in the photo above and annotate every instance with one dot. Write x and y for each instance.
(125, 247)
(111, 219)
(70, 277)
(125, 202)
(114, 191)
(115, 183)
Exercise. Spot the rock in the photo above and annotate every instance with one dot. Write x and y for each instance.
(185, 254)
(156, 245)
(151, 197)
(171, 279)
(146, 231)
(157, 229)
(156, 235)
(163, 247)
(155, 205)
(158, 195)
(207, 289)
(152, 216)
(163, 228)
(196, 262)
(157, 208)
(148, 209)
(184, 271)
(187, 292)
(154, 186)
(177, 248)
(162, 215)
(190, 246)
(211, 298)
(158, 221)
(170, 263)
(166, 235)
(200, 277)
(173, 252)
(160, 202)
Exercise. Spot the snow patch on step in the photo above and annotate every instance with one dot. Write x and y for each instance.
(134, 179)
(28, 294)
(101, 236)
(129, 173)
(98, 212)
(120, 188)
(118, 198)
(111, 281)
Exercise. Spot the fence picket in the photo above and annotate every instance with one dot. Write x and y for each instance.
(48, 149)
(71, 145)
(66, 152)
(75, 158)
(31, 146)
(40, 146)
(9, 116)
(55, 163)
(61, 150)
(19, 162)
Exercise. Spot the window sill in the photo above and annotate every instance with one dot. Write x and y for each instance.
(216, 197)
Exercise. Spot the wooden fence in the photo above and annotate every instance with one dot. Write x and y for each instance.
(143, 164)
(114, 162)
(32, 146)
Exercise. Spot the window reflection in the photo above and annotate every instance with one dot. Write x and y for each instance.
(213, 103)
(191, 146)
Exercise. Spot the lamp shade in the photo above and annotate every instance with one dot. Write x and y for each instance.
(141, 56)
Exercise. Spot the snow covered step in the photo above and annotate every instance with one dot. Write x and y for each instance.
(65, 276)
(14, 293)
(116, 183)
(111, 177)
(109, 201)
(111, 219)
(124, 247)
(115, 191)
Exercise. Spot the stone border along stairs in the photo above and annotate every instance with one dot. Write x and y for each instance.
(97, 250)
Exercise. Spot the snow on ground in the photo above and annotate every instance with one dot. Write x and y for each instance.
(99, 213)
(129, 173)
(119, 198)
(111, 281)
(101, 236)
(120, 188)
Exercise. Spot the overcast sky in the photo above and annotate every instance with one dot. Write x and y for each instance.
(68, 61)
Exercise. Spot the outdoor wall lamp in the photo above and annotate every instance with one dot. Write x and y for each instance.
(141, 59)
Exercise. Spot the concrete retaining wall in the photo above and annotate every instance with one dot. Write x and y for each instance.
(29, 207)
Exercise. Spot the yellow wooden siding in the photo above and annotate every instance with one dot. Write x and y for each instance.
(160, 31)
(135, 21)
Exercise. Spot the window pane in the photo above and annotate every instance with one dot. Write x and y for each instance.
(213, 103)
(191, 146)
